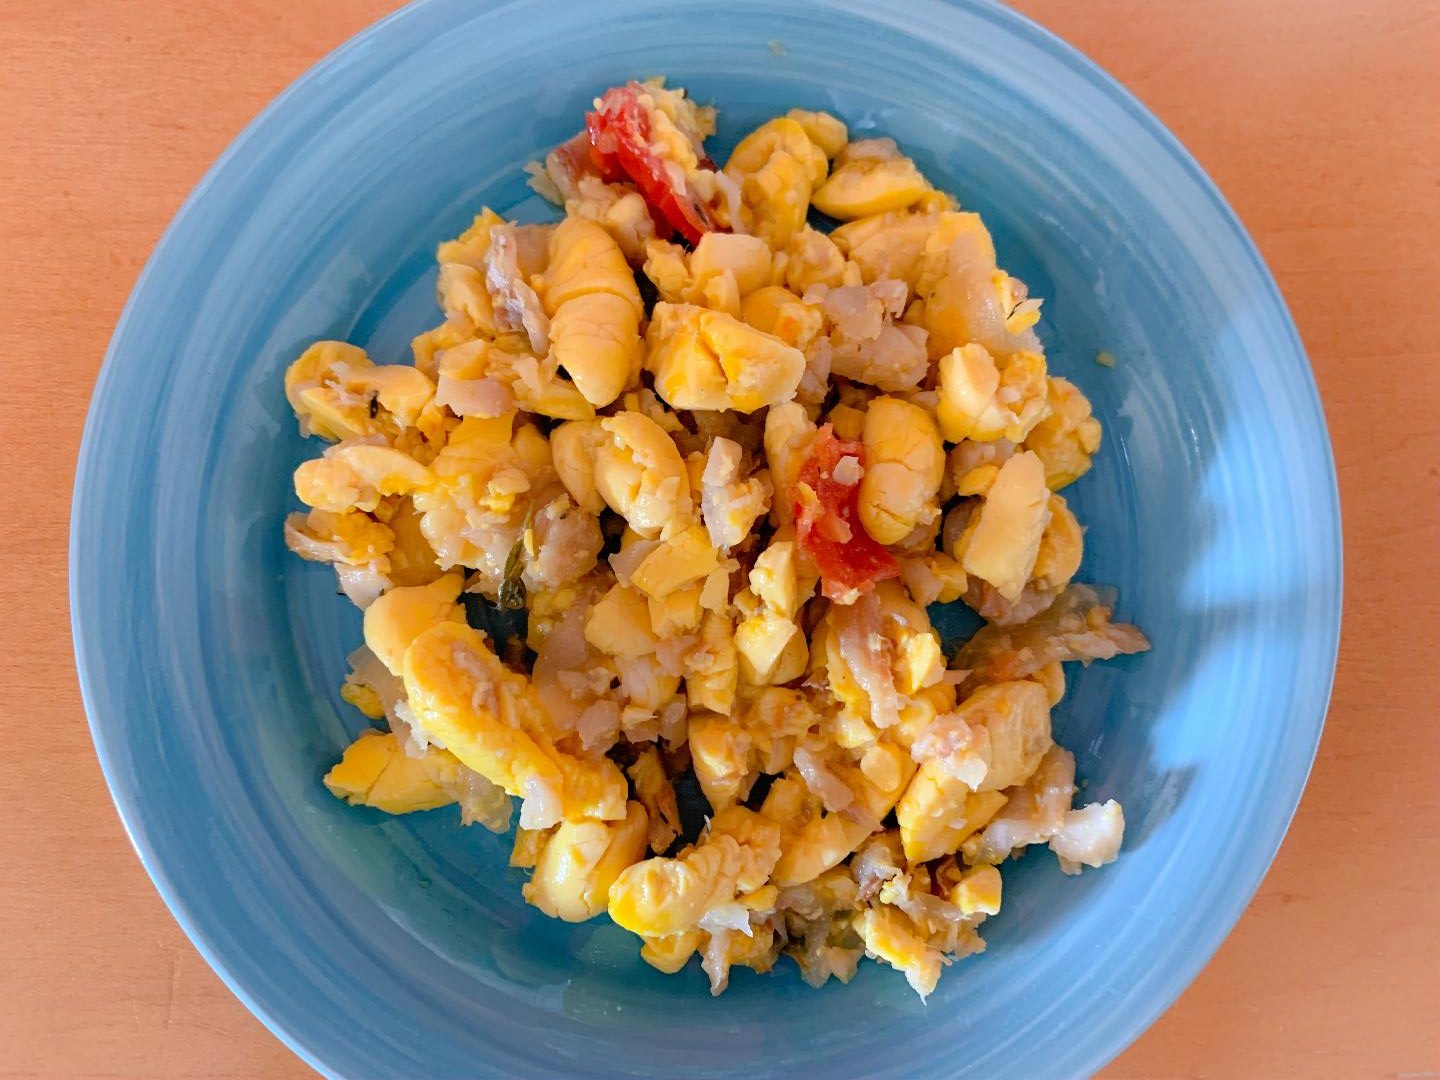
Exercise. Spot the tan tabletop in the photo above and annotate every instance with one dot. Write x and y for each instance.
(1319, 119)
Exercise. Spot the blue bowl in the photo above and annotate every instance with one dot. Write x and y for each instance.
(210, 658)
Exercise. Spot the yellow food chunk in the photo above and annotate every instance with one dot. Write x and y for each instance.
(670, 954)
(1052, 678)
(594, 307)
(1016, 718)
(659, 897)
(965, 297)
(825, 131)
(846, 641)
(904, 463)
(813, 259)
(348, 537)
(580, 862)
(1061, 547)
(710, 360)
(573, 447)
(870, 177)
(745, 258)
(788, 435)
(337, 393)
(401, 615)
(776, 167)
(619, 624)
(1067, 437)
(484, 714)
(641, 476)
(684, 559)
(657, 794)
(889, 935)
(771, 649)
(529, 843)
(679, 612)
(938, 811)
(978, 891)
(720, 750)
(412, 560)
(886, 246)
(773, 578)
(356, 476)
(376, 771)
(428, 348)
(1012, 519)
(777, 311)
(712, 671)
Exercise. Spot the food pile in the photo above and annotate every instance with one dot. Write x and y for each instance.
(721, 460)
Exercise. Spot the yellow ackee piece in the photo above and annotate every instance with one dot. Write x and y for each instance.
(1016, 718)
(904, 464)
(721, 753)
(376, 771)
(670, 954)
(813, 259)
(771, 649)
(580, 862)
(684, 559)
(889, 935)
(966, 298)
(1061, 547)
(938, 811)
(619, 624)
(777, 311)
(985, 401)
(573, 446)
(412, 559)
(825, 840)
(661, 897)
(710, 360)
(472, 245)
(484, 715)
(401, 615)
(870, 177)
(428, 348)
(788, 435)
(777, 167)
(657, 794)
(825, 131)
(641, 476)
(978, 891)
(1012, 519)
(679, 612)
(338, 393)
(712, 672)
(773, 578)
(349, 537)
(595, 310)
(357, 476)
(683, 277)
(1067, 438)
(888, 245)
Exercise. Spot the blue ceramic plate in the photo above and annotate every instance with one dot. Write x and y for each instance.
(211, 658)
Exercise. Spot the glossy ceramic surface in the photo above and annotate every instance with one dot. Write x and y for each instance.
(211, 658)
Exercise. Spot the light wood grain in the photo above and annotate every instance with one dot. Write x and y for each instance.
(1320, 121)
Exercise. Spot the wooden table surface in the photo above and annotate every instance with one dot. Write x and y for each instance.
(1319, 119)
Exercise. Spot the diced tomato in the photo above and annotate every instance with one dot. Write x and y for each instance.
(619, 133)
(827, 522)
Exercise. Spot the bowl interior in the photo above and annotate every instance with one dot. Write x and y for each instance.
(212, 658)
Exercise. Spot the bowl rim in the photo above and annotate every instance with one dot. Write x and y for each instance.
(1296, 772)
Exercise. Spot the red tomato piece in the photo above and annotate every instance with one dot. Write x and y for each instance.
(619, 133)
(827, 522)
